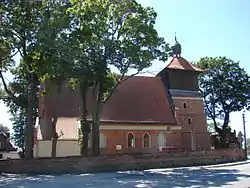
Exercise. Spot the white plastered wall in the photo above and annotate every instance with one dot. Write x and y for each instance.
(67, 144)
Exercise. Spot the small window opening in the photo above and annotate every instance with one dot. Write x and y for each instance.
(146, 140)
(184, 105)
(189, 120)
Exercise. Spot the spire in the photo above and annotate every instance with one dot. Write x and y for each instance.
(176, 49)
(175, 38)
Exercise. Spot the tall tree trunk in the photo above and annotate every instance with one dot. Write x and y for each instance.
(223, 139)
(29, 132)
(54, 137)
(96, 122)
(84, 146)
(96, 132)
(225, 131)
(85, 127)
(226, 121)
(54, 134)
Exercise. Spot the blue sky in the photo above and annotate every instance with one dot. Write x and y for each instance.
(204, 28)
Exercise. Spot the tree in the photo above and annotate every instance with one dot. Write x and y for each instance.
(4, 129)
(225, 89)
(24, 28)
(56, 63)
(18, 105)
(18, 110)
(20, 21)
(18, 120)
(120, 34)
(248, 143)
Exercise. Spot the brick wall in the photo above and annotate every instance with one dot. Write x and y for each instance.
(194, 110)
(203, 140)
(71, 147)
(120, 138)
(124, 162)
(174, 138)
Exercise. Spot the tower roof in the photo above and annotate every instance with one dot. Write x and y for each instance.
(179, 63)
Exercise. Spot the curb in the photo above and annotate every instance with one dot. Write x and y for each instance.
(228, 164)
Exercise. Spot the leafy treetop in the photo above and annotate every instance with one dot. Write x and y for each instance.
(225, 88)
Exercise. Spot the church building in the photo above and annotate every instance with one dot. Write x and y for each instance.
(143, 115)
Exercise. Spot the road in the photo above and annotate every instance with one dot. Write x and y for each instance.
(234, 176)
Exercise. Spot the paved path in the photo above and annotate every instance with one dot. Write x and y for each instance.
(209, 176)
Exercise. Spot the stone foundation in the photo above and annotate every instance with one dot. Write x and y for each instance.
(109, 163)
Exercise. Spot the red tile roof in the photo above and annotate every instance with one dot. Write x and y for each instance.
(182, 64)
(136, 100)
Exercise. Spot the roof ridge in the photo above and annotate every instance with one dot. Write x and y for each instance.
(142, 77)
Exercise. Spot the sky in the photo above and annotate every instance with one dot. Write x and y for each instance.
(203, 28)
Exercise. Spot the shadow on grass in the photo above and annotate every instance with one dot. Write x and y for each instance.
(179, 177)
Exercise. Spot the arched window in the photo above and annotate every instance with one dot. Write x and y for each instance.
(131, 140)
(184, 105)
(146, 140)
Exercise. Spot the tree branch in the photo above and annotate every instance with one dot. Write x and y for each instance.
(120, 81)
(211, 115)
(4, 59)
(13, 97)
(225, 110)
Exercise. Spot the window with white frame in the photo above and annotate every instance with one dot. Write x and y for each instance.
(131, 140)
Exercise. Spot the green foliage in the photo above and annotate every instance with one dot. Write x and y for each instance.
(4, 129)
(211, 126)
(106, 34)
(21, 21)
(18, 120)
(18, 107)
(111, 81)
(118, 33)
(78, 41)
(55, 61)
(225, 89)
(248, 143)
(29, 28)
